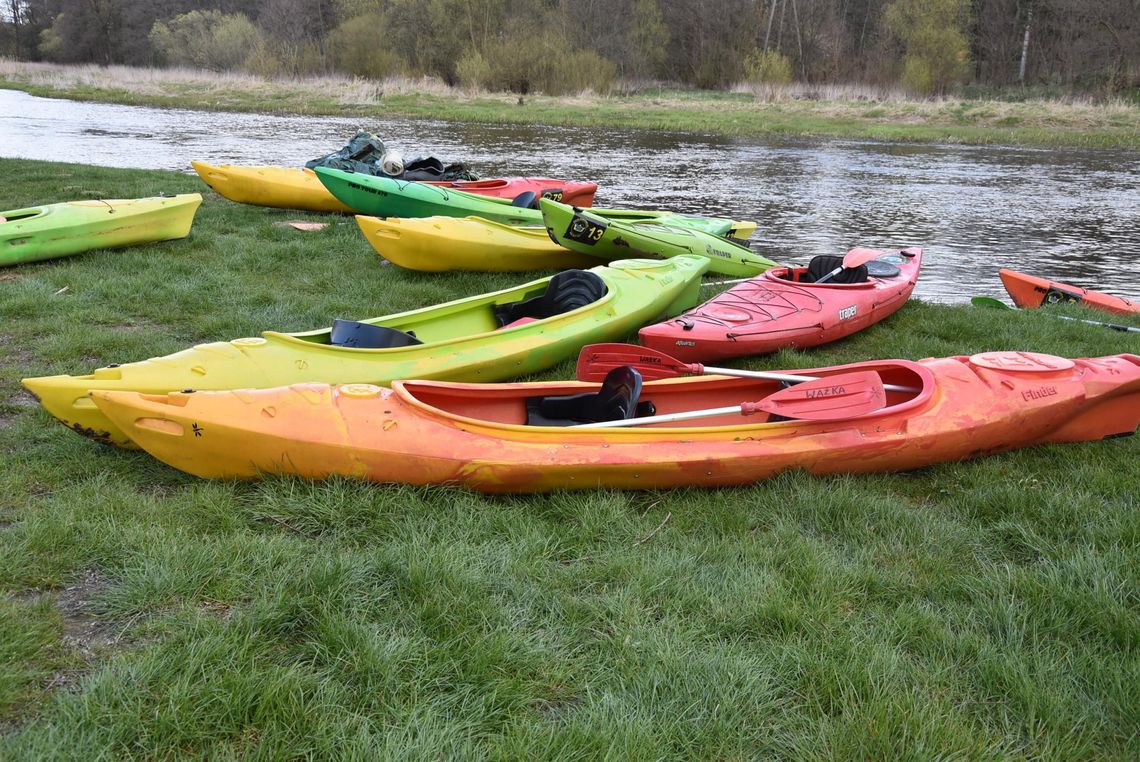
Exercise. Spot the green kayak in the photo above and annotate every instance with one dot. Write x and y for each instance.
(491, 337)
(587, 233)
(73, 227)
(385, 197)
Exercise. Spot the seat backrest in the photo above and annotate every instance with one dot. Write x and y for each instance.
(526, 200)
(825, 263)
(568, 290)
(616, 400)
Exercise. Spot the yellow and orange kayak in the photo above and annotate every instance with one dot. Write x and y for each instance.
(1030, 292)
(518, 437)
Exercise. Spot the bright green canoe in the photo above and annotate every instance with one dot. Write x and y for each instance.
(60, 230)
(492, 337)
(385, 197)
(588, 233)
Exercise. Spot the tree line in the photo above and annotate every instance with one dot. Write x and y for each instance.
(565, 46)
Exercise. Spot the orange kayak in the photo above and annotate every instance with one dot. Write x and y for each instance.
(1030, 292)
(785, 307)
(516, 437)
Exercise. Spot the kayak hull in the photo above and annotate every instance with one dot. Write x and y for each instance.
(585, 232)
(474, 435)
(384, 197)
(444, 244)
(461, 341)
(277, 187)
(73, 227)
(299, 188)
(775, 312)
(1031, 292)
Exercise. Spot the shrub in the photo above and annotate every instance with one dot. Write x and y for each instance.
(205, 39)
(931, 31)
(356, 47)
(767, 67)
(472, 70)
(548, 64)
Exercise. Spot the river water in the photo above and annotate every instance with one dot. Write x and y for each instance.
(1068, 214)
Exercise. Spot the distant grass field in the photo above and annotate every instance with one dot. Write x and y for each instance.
(849, 111)
(987, 609)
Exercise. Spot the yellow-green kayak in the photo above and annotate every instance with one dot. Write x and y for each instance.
(491, 337)
(73, 227)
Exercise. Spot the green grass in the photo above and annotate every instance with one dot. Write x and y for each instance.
(974, 610)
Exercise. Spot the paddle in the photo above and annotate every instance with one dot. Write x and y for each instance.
(825, 399)
(851, 260)
(596, 360)
(991, 303)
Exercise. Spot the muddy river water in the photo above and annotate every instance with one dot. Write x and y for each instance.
(1069, 214)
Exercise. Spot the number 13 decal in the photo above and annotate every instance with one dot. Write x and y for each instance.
(585, 231)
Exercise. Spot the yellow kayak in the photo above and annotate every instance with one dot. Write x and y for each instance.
(440, 244)
(490, 337)
(280, 187)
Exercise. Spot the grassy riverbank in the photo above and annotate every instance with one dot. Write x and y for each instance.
(982, 609)
(833, 112)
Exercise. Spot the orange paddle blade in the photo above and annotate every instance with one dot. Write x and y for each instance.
(833, 398)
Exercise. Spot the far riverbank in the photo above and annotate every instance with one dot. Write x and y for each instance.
(850, 113)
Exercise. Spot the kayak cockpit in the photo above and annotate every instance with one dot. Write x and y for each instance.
(19, 215)
(567, 291)
(722, 401)
(883, 266)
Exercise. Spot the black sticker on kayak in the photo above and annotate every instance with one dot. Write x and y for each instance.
(554, 194)
(585, 231)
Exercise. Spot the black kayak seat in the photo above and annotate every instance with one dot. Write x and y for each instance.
(824, 263)
(526, 200)
(568, 290)
(616, 400)
(351, 333)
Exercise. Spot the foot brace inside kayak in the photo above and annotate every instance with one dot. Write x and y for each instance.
(616, 400)
(568, 290)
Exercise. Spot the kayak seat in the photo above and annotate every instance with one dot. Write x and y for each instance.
(526, 200)
(616, 400)
(350, 333)
(568, 290)
(824, 263)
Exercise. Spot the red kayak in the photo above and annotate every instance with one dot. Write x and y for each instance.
(573, 192)
(1030, 292)
(785, 307)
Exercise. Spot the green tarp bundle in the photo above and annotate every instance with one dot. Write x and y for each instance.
(365, 152)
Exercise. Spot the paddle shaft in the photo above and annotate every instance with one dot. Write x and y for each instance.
(1113, 326)
(988, 301)
(685, 416)
(658, 365)
(704, 369)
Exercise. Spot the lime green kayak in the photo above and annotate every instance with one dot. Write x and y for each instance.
(385, 197)
(73, 227)
(491, 337)
(587, 233)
